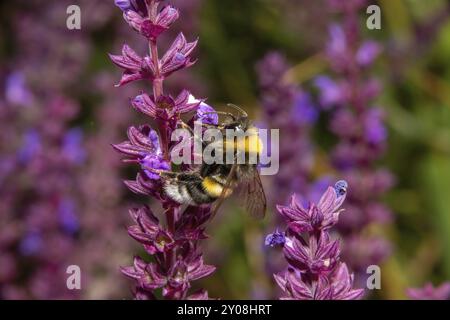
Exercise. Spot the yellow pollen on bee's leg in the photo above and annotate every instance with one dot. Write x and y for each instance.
(213, 188)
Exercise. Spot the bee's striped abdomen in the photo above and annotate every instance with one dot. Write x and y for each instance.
(188, 188)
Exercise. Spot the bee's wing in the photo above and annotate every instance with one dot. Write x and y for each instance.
(227, 186)
(255, 199)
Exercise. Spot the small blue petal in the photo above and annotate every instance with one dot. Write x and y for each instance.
(276, 238)
(124, 5)
(68, 217)
(341, 188)
(179, 58)
(153, 136)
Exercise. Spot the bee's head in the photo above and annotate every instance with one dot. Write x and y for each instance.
(239, 122)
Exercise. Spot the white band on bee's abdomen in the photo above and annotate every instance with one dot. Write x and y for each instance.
(178, 193)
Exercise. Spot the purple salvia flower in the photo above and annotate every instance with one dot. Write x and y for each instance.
(165, 107)
(314, 217)
(174, 245)
(206, 114)
(315, 270)
(429, 292)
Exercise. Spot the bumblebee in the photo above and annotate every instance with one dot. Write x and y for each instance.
(211, 183)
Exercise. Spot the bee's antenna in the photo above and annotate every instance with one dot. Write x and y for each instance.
(222, 113)
(242, 111)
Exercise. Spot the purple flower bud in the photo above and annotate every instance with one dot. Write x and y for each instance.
(275, 239)
(177, 57)
(134, 20)
(167, 16)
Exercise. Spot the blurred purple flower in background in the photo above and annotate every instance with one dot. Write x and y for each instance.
(31, 146)
(331, 93)
(48, 200)
(288, 108)
(16, 91)
(275, 239)
(72, 146)
(429, 292)
(362, 136)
